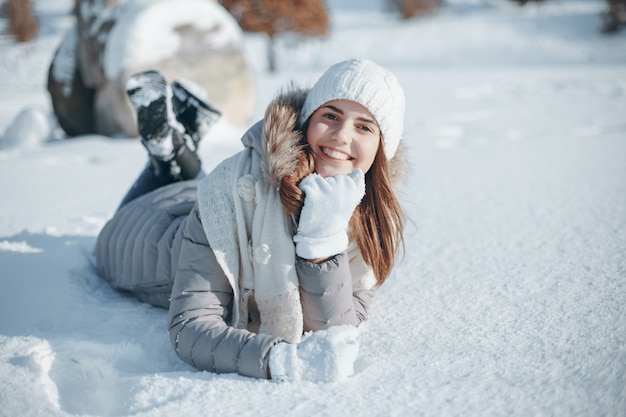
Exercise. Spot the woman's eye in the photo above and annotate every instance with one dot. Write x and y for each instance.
(366, 129)
(330, 116)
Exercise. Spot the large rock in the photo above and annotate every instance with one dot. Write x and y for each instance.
(72, 101)
(195, 40)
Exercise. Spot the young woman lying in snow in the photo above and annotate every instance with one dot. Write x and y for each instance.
(268, 263)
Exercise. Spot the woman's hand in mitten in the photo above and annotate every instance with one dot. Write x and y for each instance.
(328, 206)
(325, 356)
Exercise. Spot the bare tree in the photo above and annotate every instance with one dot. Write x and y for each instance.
(272, 17)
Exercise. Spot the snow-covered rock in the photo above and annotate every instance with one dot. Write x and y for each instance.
(196, 40)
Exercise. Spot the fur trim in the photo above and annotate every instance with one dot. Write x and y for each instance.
(398, 166)
(282, 138)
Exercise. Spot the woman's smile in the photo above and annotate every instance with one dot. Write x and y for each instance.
(333, 154)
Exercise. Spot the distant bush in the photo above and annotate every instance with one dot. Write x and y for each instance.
(411, 8)
(272, 17)
(22, 24)
(523, 2)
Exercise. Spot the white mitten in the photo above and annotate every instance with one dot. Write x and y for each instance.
(325, 356)
(328, 206)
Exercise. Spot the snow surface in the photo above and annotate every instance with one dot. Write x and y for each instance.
(509, 301)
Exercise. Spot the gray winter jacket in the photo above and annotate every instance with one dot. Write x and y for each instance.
(155, 248)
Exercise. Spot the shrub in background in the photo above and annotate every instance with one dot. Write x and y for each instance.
(22, 24)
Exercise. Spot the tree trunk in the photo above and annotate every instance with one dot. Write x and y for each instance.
(271, 54)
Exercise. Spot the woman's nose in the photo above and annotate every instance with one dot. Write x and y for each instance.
(342, 133)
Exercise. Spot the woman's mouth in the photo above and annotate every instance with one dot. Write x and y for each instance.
(333, 154)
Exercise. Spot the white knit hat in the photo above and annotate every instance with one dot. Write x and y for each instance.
(368, 84)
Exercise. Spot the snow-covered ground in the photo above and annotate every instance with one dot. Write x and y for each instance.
(509, 301)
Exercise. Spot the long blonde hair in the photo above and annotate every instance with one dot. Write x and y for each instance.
(378, 221)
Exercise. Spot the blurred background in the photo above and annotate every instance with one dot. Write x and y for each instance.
(223, 45)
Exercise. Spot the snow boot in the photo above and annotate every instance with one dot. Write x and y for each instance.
(195, 114)
(147, 92)
(171, 158)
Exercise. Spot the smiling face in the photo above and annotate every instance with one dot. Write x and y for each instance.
(342, 135)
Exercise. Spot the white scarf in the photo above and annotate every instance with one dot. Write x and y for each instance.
(249, 232)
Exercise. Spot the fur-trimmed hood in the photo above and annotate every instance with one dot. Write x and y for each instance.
(281, 138)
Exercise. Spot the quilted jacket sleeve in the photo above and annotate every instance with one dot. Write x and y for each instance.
(327, 296)
(200, 309)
